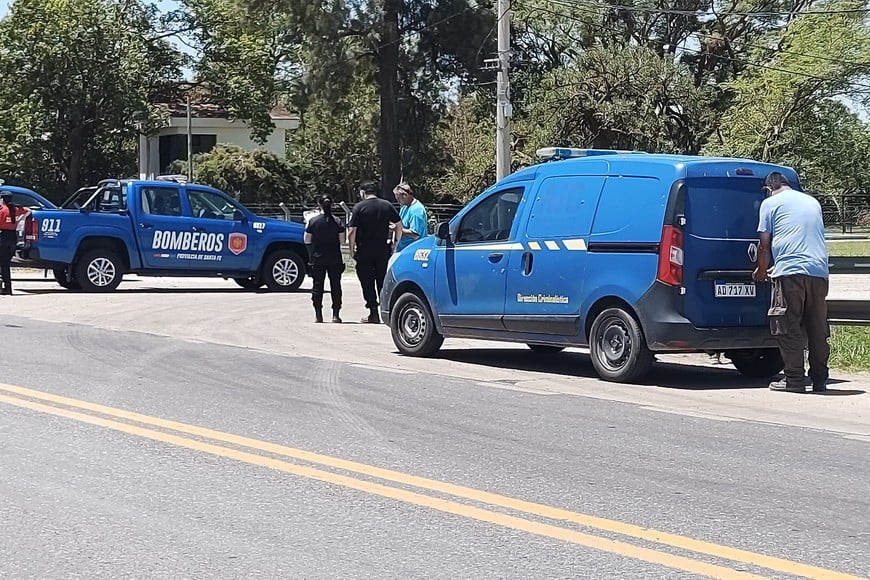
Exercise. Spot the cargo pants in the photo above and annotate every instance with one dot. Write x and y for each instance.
(799, 319)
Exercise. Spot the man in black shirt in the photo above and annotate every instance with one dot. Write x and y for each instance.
(371, 224)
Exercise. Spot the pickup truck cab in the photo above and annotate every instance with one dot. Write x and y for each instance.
(628, 254)
(163, 227)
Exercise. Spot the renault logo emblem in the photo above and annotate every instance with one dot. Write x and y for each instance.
(752, 251)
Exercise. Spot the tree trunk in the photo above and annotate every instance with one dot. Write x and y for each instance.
(388, 85)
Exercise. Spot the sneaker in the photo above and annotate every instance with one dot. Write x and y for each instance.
(820, 386)
(786, 388)
(336, 319)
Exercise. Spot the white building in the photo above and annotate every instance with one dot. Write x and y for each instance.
(209, 126)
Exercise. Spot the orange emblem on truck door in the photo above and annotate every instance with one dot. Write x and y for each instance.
(237, 243)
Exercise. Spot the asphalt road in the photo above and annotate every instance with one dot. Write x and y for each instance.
(313, 451)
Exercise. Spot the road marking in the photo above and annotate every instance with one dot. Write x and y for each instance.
(532, 508)
(443, 505)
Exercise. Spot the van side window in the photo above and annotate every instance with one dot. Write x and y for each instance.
(491, 219)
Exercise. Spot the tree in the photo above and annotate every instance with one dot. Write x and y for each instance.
(83, 72)
(314, 51)
(789, 106)
(250, 176)
(630, 98)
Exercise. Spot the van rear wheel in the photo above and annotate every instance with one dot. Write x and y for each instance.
(760, 363)
(618, 348)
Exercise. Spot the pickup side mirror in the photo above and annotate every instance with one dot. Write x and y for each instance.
(443, 231)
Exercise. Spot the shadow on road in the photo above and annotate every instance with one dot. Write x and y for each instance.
(576, 364)
(122, 290)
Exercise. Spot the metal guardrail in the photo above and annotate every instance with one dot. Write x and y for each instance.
(849, 312)
(849, 265)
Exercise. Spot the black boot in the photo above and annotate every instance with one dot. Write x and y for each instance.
(373, 317)
(6, 290)
(335, 317)
(318, 314)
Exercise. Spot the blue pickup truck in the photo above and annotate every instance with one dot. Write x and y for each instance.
(163, 227)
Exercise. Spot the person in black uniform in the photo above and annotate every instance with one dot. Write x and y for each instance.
(323, 237)
(9, 216)
(372, 222)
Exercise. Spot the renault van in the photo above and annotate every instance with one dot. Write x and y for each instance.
(628, 254)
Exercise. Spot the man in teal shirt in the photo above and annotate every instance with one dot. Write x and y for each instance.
(415, 222)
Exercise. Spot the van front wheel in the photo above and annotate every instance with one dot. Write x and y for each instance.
(413, 327)
(618, 348)
(761, 363)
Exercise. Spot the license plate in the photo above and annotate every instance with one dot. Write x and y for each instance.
(734, 290)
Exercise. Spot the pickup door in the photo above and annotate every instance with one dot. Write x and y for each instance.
(192, 229)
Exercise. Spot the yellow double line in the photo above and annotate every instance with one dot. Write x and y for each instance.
(136, 424)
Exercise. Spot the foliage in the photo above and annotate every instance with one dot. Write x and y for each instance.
(250, 176)
(789, 107)
(81, 74)
(627, 99)
(850, 348)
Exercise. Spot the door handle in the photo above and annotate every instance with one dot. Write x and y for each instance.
(496, 258)
(528, 258)
(146, 226)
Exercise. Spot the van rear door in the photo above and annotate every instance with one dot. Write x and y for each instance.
(720, 248)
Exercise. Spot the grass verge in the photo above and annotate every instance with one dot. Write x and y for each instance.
(850, 348)
(849, 248)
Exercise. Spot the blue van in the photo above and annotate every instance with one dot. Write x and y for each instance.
(628, 254)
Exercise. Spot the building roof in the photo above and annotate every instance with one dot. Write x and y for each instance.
(173, 99)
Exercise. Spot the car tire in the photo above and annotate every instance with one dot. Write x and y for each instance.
(546, 348)
(618, 347)
(283, 271)
(762, 363)
(251, 283)
(413, 327)
(99, 271)
(60, 278)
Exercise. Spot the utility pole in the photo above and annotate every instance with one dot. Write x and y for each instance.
(189, 139)
(504, 110)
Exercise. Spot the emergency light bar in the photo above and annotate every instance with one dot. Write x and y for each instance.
(556, 153)
(181, 179)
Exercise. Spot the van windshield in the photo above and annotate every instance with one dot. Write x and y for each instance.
(723, 207)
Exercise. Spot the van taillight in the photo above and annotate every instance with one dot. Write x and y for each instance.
(31, 232)
(671, 256)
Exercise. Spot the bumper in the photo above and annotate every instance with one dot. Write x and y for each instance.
(667, 330)
(386, 298)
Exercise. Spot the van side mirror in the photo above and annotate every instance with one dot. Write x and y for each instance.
(443, 231)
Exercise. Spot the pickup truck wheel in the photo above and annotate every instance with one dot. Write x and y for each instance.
(99, 271)
(762, 363)
(413, 327)
(546, 348)
(251, 283)
(283, 270)
(60, 278)
(618, 348)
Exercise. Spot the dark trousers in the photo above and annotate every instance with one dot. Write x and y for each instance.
(371, 269)
(319, 274)
(799, 319)
(8, 240)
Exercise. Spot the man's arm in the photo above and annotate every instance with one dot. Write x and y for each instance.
(764, 257)
(351, 241)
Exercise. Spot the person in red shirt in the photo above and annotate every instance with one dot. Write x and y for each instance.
(9, 216)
